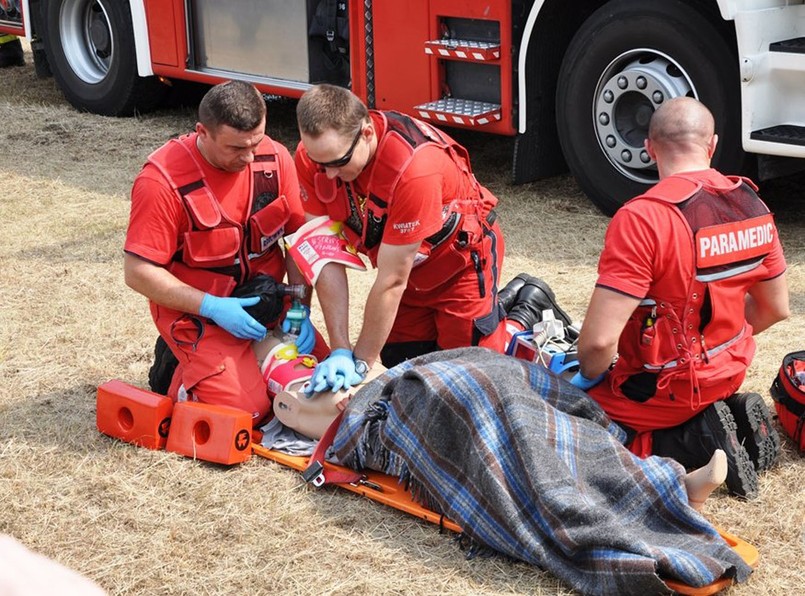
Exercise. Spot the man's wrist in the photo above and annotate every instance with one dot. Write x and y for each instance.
(361, 366)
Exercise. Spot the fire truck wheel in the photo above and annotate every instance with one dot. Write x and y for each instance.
(625, 60)
(90, 51)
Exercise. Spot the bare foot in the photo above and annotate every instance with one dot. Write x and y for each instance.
(701, 482)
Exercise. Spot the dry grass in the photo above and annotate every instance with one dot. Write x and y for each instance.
(144, 522)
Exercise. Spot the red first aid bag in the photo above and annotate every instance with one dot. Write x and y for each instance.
(788, 392)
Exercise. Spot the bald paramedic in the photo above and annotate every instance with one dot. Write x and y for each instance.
(689, 272)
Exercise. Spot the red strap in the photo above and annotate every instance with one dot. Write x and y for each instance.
(328, 476)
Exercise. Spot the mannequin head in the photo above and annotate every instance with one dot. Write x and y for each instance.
(285, 373)
(311, 416)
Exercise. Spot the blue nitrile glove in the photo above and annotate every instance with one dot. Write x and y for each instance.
(336, 372)
(229, 314)
(583, 383)
(306, 337)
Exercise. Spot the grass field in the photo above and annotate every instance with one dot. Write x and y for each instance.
(145, 522)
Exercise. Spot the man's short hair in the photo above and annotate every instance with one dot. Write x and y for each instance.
(233, 103)
(681, 120)
(328, 107)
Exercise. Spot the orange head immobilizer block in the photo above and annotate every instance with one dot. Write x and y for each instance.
(133, 415)
(219, 434)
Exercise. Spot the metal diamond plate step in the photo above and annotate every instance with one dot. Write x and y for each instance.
(463, 49)
(467, 112)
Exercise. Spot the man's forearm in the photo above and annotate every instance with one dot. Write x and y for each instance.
(332, 288)
(160, 286)
(594, 361)
(378, 318)
(295, 277)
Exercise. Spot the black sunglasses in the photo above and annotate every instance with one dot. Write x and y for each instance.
(343, 160)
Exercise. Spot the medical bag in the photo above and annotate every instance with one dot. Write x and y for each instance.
(788, 392)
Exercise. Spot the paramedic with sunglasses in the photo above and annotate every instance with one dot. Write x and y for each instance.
(408, 200)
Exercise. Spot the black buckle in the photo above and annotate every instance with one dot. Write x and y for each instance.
(314, 474)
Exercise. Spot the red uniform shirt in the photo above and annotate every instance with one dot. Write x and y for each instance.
(648, 253)
(415, 212)
(158, 217)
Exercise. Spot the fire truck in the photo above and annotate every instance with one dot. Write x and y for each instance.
(573, 82)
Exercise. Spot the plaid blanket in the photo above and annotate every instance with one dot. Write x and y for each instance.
(529, 466)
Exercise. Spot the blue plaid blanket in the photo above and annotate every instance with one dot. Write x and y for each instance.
(529, 466)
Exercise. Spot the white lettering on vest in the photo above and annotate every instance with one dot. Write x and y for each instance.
(733, 242)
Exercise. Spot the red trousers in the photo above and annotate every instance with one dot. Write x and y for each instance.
(215, 367)
(463, 310)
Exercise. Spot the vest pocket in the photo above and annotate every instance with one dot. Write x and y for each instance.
(268, 225)
(211, 248)
(203, 208)
(654, 336)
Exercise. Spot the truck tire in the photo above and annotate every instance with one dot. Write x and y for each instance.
(90, 51)
(627, 58)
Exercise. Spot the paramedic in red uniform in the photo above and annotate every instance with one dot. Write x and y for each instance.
(207, 212)
(409, 201)
(689, 272)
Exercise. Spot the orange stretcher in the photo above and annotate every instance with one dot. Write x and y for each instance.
(388, 490)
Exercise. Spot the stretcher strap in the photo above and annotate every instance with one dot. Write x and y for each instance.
(315, 472)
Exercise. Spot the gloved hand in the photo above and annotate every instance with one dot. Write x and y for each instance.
(306, 338)
(336, 372)
(583, 383)
(229, 314)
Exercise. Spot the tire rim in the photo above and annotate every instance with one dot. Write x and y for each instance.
(631, 87)
(87, 39)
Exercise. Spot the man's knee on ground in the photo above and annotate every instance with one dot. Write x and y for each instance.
(394, 353)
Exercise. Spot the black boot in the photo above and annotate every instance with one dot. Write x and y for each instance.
(11, 54)
(161, 372)
(508, 295)
(534, 297)
(693, 443)
(755, 430)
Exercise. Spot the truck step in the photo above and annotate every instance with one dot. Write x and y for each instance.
(789, 46)
(788, 134)
(463, 49)
(467, 112)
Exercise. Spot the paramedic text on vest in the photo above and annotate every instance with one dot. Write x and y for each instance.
(688, 273)
(207, 212)
(409, 201)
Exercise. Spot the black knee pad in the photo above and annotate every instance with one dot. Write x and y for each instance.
(394, 353)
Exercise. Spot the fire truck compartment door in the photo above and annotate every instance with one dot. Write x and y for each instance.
(259, 37)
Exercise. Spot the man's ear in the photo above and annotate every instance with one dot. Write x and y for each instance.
(649, 149)
(369, 130)
(711, 146)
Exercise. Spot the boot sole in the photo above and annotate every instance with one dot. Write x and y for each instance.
(754, 427)
(741, 475)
